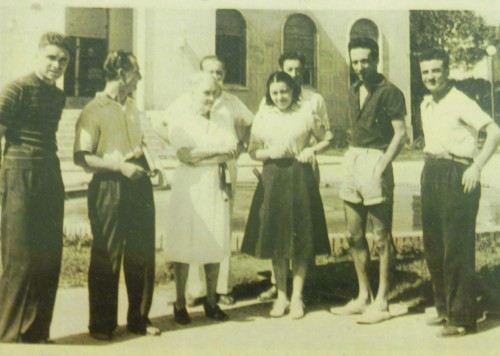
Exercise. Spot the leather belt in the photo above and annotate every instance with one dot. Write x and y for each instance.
(463, 160)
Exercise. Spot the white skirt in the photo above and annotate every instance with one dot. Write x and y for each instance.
(198, 222)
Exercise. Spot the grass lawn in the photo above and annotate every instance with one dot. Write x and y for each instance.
(332, 280)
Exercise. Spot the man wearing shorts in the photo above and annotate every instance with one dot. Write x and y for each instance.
(451, 191)
(377, 111)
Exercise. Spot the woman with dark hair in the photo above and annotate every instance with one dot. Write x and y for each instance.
(286, 220)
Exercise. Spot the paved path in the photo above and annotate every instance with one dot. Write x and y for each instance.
(251, 331)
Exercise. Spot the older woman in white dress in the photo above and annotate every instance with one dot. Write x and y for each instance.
(286, 221)
(198, 212)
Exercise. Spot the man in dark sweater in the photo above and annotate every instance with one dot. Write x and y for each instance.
(33, 196)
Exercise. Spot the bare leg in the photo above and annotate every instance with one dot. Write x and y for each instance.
(299, 276)
(181, 271)
(211, 276)
(280, 267)
(280, 306)
(356, 218)
(381, 217)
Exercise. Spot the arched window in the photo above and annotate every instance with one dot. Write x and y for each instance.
(299, 35)
(363, 28)
(231, 44)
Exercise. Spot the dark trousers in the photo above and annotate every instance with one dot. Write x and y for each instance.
(32, 237)
(122, 218)
(449, 226)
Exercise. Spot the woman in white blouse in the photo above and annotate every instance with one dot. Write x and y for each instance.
(286, 220)
(198, 212)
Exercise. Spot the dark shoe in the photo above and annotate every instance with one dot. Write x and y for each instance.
(37, 341)
(452, 331)
(215, 312)
(226, 299)
(436, 321)
(195, 302)
(181, 316)
(47, 341)
(148, 330)
(102, 336)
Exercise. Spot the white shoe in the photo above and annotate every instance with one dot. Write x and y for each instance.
(297, 310)
(355, 306)
(279, 309)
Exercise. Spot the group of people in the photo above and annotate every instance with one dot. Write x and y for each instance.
(208, 128)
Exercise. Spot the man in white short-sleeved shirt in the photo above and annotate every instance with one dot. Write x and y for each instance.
(451, 191)
(230, 112)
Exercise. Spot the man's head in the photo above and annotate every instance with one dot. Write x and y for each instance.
(293, 63)
(364, 56)
(122, 66)
(434, 68)
(204, 90)
(213, 65)
(53, 56)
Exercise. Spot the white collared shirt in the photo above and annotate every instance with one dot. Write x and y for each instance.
(314, 100)
(291, 128)
(451, 125)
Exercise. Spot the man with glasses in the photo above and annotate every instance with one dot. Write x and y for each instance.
(108, 143)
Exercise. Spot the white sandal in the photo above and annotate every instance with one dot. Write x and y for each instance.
(279, 308)
(297, 310)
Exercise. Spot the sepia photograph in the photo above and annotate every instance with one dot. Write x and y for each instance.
(217, 177)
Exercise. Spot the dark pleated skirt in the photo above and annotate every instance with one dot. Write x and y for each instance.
(286, 218)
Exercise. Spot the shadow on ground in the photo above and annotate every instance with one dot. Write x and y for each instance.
(329, 284)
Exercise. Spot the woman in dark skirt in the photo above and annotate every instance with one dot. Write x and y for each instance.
(286, 220)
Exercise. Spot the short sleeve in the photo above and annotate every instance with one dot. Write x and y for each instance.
(472, 114)
(179, 137)
(10, 102)
(394, 104)
(87, 132)
(318, 127)
(320, 111)
(160, 123)
(256, 134)
(243, 116)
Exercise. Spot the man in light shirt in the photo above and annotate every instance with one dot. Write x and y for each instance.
(451, 191)
(231, 113)
(108, 143)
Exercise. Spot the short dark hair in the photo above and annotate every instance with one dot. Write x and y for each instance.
(435, 53)
(293, 56)
(117, 60)
(56, 39)
(280, 76)
(211, 57)
(365, 42)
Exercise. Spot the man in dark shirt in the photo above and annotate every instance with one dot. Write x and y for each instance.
(377, 110)
(33, 196)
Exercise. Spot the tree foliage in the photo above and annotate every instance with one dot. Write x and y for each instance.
(463, 34)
